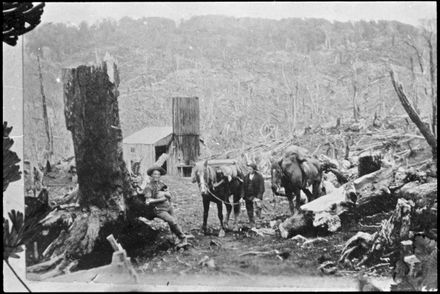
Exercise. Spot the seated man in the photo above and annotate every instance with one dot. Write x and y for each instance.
(158, 196)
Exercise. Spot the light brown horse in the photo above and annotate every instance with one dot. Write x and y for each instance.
(295, 171)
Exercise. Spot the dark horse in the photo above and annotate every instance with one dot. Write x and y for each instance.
(295, 172)
(216, 187)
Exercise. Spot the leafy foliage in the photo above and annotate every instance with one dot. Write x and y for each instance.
(20, 233)
(11, 171)
(18, 19)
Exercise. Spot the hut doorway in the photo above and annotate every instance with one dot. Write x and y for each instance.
(159, 150)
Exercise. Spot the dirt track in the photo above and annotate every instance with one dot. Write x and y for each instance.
(228, 252)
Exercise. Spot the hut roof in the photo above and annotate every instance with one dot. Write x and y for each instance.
(148, 135)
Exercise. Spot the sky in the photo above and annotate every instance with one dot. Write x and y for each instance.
(406, 12)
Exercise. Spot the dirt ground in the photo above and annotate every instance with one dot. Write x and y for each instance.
(227, 253)
(226, 262)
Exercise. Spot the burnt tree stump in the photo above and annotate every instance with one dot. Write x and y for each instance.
(369, 162)
(91, 111)
(105, 194)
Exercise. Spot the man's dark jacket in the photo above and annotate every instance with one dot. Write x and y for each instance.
(253, 188)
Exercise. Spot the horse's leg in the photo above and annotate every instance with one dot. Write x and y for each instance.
(236, 198)
(290, 196)
(228, 211)
(297, 193)
(205, 212)
(316, 189)
(220, 214)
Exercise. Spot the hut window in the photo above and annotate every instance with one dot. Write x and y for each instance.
(133, 150)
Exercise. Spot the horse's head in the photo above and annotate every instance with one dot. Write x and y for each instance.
(202, 175)
(276, 175)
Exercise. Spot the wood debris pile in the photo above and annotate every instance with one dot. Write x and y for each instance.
(396, 140)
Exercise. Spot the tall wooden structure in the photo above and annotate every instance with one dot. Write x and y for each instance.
(185, 147)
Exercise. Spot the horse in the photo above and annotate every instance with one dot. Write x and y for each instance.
(217, 187)
(233, 177)
(294, 172)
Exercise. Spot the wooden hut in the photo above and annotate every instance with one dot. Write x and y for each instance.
(143, 148)
(181, 142)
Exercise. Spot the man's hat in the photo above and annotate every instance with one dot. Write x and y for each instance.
(152, 169)
(253, 165)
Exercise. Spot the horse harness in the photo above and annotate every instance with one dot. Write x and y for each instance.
(215, 196)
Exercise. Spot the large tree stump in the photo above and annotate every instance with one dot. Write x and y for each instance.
(91, 110)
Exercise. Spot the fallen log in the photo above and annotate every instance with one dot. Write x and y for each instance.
(374, 191)
(323, 212)
(370, 194)
(386, 240)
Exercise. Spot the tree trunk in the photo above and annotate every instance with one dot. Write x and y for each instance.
(414, 86)
(424, 129)
(355, 92)
(355, 109)
(49, 145)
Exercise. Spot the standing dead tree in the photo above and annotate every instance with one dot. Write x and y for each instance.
(354, 83)
(49, 144)
(423, 127)
(433, 80)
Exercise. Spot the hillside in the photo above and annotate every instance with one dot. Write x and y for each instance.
(256, 78)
